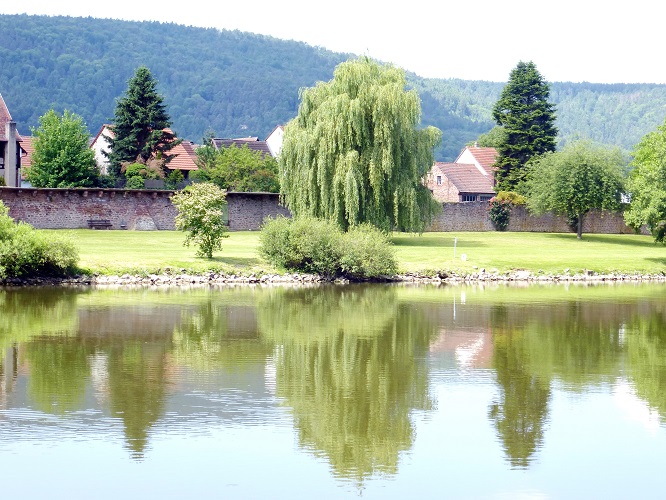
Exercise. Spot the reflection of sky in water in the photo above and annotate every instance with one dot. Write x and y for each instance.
(243, 444)
(229, 431)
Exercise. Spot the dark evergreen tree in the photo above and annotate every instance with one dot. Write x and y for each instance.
(139, 125)
(528, 120)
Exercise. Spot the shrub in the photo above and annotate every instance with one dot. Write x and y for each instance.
(24, 252)
(367, 252)
(511, 196)
(318, 246)
(135, 182)
(305, 244)
(174, 178)
(201, 214)
(500, 211)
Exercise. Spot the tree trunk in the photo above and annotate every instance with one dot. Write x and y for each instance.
(579, 234)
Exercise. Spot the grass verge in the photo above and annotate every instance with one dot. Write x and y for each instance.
(146, 252)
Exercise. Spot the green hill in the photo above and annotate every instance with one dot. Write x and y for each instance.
(241, 84)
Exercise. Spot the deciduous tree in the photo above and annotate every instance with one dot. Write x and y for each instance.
(237, 169)
(139, 124)
(200, 213)
(62, 158)
(647, 184)
(571, 182)
(528, 120)
(355, 152)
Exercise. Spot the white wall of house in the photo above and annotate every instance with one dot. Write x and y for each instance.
(100, 144)
(274, 141)
(467, 157)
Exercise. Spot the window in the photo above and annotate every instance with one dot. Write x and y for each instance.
(486, 197)
(439, 180)
(469, 197)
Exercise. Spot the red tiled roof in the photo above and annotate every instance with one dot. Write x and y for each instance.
(5, 117)
(466, 178)
(485, 156)
(28, 145)
(252, 143)
(183, 158)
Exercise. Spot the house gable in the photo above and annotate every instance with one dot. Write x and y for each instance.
(454, 182)
(482, 158)
(275, 139)
(10, 148)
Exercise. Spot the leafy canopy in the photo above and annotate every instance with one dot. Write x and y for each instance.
(528, 122)
(201, 210)
(237, 169)
(62, 158)
(139, 125)
(571, 182)
(647, 184)
(354, 153)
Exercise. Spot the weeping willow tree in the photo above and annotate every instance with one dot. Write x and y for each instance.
(355, 153)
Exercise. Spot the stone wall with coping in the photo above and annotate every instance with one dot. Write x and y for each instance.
(153, 210)
(248, 210)
(72, 208)
(473, 216)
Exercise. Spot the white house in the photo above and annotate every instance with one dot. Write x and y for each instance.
(274, 140)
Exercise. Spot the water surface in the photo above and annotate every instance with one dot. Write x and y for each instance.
(372, 391)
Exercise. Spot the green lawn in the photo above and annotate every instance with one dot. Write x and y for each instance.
(547, 252)
(118, 252)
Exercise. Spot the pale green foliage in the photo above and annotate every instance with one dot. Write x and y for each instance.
(367, 252)
(354, 153)
(318, 246)
(647, 184)
(581, 177)
(237, 169)
(512, 197)
(200, 213)
(62, 157)
(24, 252)
(304, 244)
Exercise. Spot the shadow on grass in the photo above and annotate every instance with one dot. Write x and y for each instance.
(435, 241)
(237, 261)
(657, 260)
(629, 240)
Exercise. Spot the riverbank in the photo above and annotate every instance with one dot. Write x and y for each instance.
(221, 279)
(158, 258)
(152, 252)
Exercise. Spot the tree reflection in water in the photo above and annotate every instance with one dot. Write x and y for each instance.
(350, 362)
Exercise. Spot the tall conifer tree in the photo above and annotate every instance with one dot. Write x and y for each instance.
(528, 120)
(139, 123)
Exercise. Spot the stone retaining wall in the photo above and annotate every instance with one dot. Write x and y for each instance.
(72, 208)
(152, 210)
(248, 210)
(473, 216)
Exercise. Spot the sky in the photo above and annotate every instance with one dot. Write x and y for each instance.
(568, 40)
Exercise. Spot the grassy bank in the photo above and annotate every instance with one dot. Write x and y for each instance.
(135, 252)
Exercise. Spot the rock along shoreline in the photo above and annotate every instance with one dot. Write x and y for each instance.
(220, 279)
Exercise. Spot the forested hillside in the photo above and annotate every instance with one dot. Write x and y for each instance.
(239, 84)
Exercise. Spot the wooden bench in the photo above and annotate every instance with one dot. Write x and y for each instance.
(99, 223)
